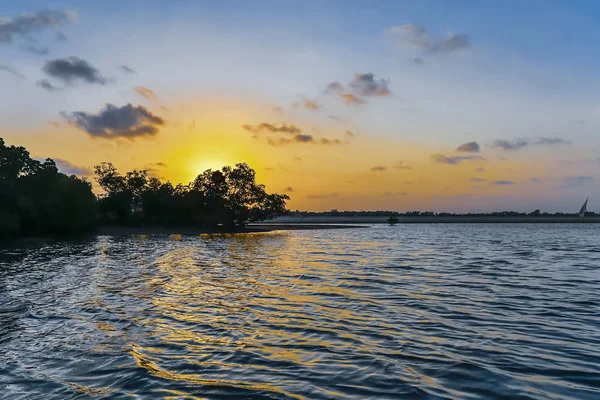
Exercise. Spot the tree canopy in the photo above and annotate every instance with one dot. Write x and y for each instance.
(37, 199)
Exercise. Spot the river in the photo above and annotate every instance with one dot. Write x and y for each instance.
(414, 311)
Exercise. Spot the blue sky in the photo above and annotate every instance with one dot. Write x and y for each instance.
(527, 70)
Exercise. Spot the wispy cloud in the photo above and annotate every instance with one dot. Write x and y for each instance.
(477, 180)
(36, 49)
(418, 61)
(393, 194)
(297, 159)
(288, 189)
(535, 180)
(12, 71)
(379, 168)
(507, 145)
(272, 128)
(126, 69)
(547, 141)
(146, 93)
(470, 147)
(366, 85)
(577, 181)
(480, 169)
(454, 160)
(351, 99)
(46, 85)
(54, 124)
(418, 36)
(71, 69)
(69, 168)
(277, 110)
(502, 182)
(308, 104)
(349, 133)
(114, 122)
(302, 139)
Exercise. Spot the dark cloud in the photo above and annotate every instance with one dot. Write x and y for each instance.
(401, 165)
(418, 61)
(442, 159)
(551, 141)
(71, 69)
(477, 180)
(36, 49)
(507, 145)
(366, 85)
(322, 196)
(289, 189)
(161, 164)
(480, 169)
(11, 71)
(470, 147)
(379, 168)
(502, 182)
(114, 122)
(302, 138)
(576, 181)
(146, 93)
(268, 127)
(25, 25)
(126, 69)
(349, 133)
(46, 85)
(417, 36)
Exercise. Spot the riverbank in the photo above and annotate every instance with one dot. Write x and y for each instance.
(454, 219)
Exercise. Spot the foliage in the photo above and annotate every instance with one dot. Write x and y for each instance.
(229, 198)
(393, 220)
(37, 199)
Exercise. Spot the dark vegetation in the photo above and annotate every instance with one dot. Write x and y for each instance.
(37, 199)
(336, 213)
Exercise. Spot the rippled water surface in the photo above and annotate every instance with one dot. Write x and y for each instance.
(413, 311)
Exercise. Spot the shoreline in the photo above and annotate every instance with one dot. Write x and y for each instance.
(252, 228)
(460, 219)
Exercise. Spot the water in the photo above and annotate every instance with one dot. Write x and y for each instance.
(413, 311)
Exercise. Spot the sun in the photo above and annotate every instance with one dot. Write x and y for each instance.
(198, 166)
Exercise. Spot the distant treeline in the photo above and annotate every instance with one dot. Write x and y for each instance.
(336, 213)
(37, 199)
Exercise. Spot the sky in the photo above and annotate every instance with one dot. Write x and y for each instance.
(459, 106)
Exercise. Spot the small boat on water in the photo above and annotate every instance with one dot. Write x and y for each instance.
(583, 208)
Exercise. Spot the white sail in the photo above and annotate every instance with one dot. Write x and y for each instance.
(583, 208)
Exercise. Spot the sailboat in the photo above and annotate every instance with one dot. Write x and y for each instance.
(583, 208)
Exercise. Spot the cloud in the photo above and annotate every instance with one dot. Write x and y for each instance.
(417, 36)
(322, 196)
(69, 168)
(551, 141)
(506, 145)
(379, 168)
(418, 61)
(146, 93)
(334, 87)
(60, 36)
(535, 180)
(330, 141)
(576, 181)
(335, 118)
(36, 49)
(350, 99)
(114, 122)
(269, 169)
(366, 85)
(126, 69)
(297, 159)
(309, 105)
(477, 180)
(401, 165)
(12, 71)
(349, 133)
(26, 24)
(46, 85)
(54, 124)
(154, 169)
(278, 110)
(470, 147)
(268, 127)
(72, 69)
(502, 182)
(442, 159)
(289, 189)
(480, 169)
(301, 138)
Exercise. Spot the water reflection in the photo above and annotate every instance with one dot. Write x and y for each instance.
(377, 313)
